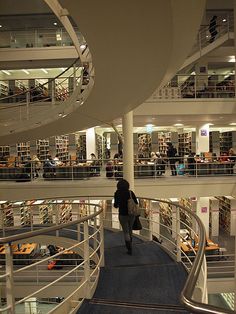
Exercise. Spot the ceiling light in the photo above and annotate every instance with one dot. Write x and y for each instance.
(178, 124)
(63, 69)
(233, 123)
(55, 23)
(231, 59)
(64, 115)
(0, 26)
(224, 20)
(58, 37)
(6, 72)
(210, 124)
(45, 71)
(25, 71)
(83, 46)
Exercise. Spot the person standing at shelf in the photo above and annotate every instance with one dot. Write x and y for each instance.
(37, 165)
(171, 154)
(121, 197)
(212, 28)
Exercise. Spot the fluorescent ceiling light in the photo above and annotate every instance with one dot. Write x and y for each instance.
(45, 71)
(63, 69)
(233, 123)
(27, 72)
(58, 37)
(3, 202)
(231, 59)
(6, 72)
(210, 124)
(178, 124)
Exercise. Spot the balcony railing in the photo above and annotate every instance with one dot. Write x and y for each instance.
(33, 38)
(26, 170)
(38, 222)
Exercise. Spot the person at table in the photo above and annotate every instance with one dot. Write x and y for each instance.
(171, 154)
(160, 164)
(57, 161)
(49, 167)
(95, 165)
(153, 157)
(191, 163)
(232, 159)
(224, 157)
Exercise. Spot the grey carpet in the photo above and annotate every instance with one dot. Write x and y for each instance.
(149, 281)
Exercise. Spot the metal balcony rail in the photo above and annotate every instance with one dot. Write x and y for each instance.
(33, 38)
(168, 224)
(25, 169)
(208, 33)
(218, 85)
(79, 226)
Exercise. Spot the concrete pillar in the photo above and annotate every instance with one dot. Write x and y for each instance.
(128, 150)
(203, 212)
(202, 139)
(90, 142)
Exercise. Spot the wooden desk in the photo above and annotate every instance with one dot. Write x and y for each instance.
(211, 249)
(22, 256)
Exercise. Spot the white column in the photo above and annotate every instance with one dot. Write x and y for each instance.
(90, 142)
(128, 150)
(202, 139)
(203, 212)
(214, 208)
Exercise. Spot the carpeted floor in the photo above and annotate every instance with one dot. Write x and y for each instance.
(149, 281)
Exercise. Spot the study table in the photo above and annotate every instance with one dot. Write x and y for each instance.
(22, 254)
(210, 249)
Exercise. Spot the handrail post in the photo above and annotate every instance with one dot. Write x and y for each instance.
(27, 104)
(178, 244)
(53, 92)
(86, 261)
(9, 279)
(74, 77)
(102, 263)
(78, 226)
(57, 218)
(195, 86)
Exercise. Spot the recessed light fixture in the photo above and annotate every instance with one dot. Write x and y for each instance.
(45, 71)
(224, 20)
(231, 59)
(25, 71)
(6, 72)
(233, 123)
(0, 26)
(178, 124)
(83, 46)
(55, 23)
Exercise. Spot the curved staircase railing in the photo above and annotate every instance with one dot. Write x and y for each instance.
(76, 225)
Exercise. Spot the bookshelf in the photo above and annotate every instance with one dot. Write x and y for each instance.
(46, 213)
(23, 150)
(214, 142)
(144, 144)
(62, 147)
(227, 214)
(187, 143)
(81, 147)
(65, 212)
(227, 140)
(3, 89)
(99, 146)
(165, 137)
(42, 148)
(8, 218)
(214, 216)
(5, 151)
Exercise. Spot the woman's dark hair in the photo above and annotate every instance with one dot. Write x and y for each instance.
(123, 185)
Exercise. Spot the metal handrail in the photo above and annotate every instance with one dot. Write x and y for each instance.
(29, 90)
(34, 233)
(188, 290)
